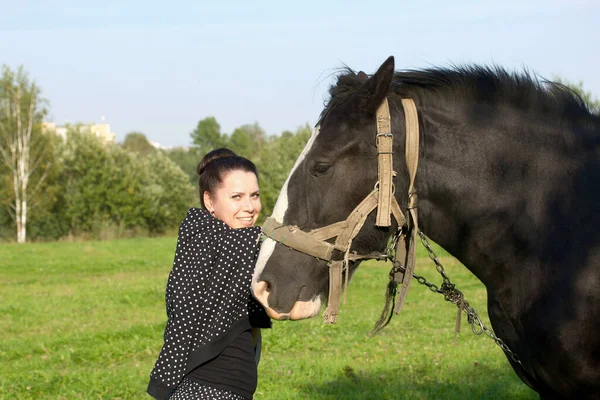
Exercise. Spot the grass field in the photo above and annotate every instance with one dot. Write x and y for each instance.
(85, 321)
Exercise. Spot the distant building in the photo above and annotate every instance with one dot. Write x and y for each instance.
(159, 146)
(51, 127)
(100, 130)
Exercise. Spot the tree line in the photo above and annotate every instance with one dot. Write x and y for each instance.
(83, 188)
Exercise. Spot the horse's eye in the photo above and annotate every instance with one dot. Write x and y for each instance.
(320, 169)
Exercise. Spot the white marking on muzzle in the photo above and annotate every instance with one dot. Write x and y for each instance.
(281, 206)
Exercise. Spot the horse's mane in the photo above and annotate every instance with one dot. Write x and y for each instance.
(482, 84)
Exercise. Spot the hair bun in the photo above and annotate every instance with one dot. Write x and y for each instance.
(212, 156)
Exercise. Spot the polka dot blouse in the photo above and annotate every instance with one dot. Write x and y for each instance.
(208, 294)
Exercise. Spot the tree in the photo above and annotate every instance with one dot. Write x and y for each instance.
(248, 141)
(108, 190)
(87, 172)
(21, 141)
(48, 221)
(187, 159)
(280, 154)
(207, 135)
(589, 99)
(136, 142)
(167, 193)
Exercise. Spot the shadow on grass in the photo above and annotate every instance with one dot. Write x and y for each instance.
(473, 383)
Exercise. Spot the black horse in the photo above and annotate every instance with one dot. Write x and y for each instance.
(508, 182)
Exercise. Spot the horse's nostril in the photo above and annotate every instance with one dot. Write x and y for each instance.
(262, 290)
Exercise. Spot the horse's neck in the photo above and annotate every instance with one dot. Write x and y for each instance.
(482, 192)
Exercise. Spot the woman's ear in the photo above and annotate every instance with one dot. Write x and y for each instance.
(208, 203)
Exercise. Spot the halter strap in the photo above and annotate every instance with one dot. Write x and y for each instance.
(314, 242)
(385, 169)
(407, 249)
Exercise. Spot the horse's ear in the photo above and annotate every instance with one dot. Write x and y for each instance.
(378, 86)
(362, 76)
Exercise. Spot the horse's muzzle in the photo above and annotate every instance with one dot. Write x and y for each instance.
(300, 309)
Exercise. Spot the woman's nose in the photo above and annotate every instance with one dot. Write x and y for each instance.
(248, 205)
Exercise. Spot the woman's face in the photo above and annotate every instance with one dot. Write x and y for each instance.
(237, 201)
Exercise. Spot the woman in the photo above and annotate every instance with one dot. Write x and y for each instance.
(209, 351)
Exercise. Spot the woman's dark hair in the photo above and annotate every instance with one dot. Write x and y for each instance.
(215, 165)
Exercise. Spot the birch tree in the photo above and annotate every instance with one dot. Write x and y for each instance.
(21, 151)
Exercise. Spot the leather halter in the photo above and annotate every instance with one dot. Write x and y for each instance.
(314, 243)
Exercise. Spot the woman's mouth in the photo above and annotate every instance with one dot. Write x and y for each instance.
(248, 221)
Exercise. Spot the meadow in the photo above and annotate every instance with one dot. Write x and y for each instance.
(84, 320)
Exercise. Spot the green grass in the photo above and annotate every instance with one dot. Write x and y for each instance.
(85, 321)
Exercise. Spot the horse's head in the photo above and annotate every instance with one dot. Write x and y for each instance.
(335, 171)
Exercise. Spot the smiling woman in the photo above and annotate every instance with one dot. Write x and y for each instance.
(212, 338)
(229, 188)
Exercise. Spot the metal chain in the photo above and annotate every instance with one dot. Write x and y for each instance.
(456, 297)
(391, 247)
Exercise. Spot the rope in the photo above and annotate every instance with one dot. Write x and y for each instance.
(390, 301)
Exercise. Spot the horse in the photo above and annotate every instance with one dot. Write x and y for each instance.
(508, 182)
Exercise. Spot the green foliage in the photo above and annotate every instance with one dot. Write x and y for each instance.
(25, 153)
(168, 193)
(248, 141)
(47, 222)
(85, 320)
(278, 157)
(7, 223)
(86, 179)
(11, 82)
(137, 142)
(102, 190)
(187, 159)
(207, 135)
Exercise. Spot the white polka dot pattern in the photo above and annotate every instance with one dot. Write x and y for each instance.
(208, 289)
(190, 390)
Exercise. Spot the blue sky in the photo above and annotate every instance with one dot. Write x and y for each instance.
(160, 67)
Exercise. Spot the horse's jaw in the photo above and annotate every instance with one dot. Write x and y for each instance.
(300, 309)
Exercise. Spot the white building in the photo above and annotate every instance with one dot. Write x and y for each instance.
(100, 130)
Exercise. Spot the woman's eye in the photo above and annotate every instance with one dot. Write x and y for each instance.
(256, 195)
(236, 197)
(320, 169)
